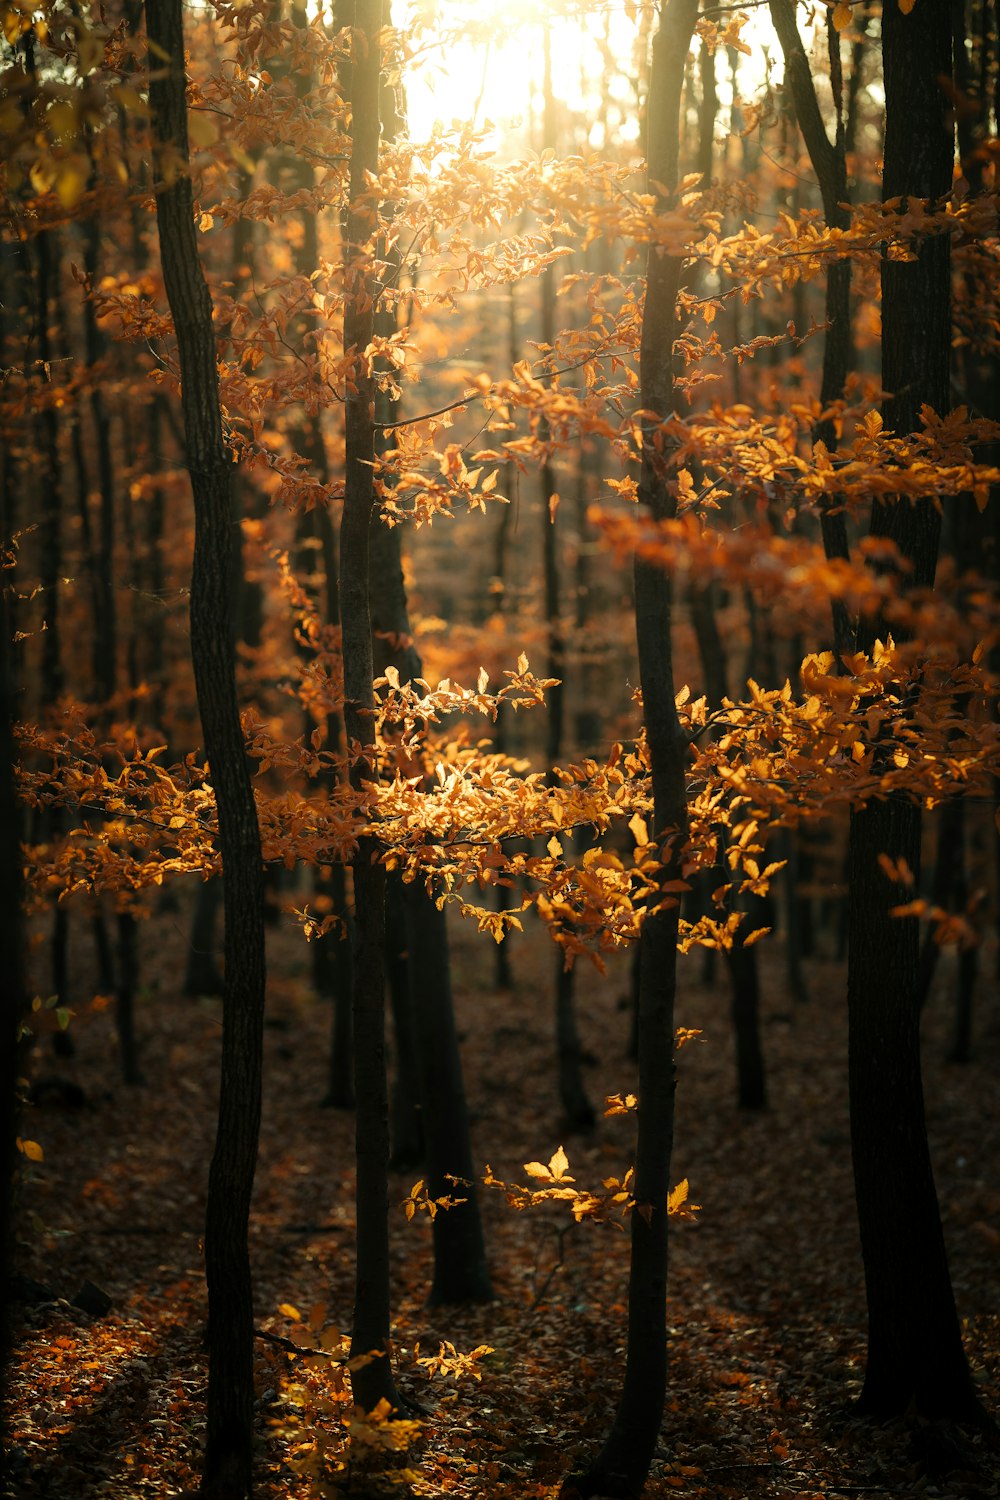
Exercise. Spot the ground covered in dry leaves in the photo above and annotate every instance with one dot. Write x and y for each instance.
(766, 1306)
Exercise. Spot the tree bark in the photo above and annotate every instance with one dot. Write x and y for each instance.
(13, 986)
(460, 1269)
(228, 1471)
(621, 1467)
(915, 1355)
(372, 1381)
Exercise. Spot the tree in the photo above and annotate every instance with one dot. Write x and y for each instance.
(228, 1473)
(915, 1355)
(13, 985)
(373, 1381)
(623, 1463)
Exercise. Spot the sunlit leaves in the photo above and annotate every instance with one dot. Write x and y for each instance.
(450, 1362)
(555, 1172)
(612, 1204)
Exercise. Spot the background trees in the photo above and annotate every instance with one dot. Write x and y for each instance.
(743, 459)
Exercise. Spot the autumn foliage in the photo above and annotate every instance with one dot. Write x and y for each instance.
(441, 333)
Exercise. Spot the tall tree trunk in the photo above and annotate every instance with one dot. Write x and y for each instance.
(621, 1467)
(13, 988)
(372, 1381)
(460, 1270)
(228, 1472)
(915, 1355)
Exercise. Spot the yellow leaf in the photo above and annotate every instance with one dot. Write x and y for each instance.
(638, 830)
(554, 847)
(31, 1149)
(288, 1311)
(678, 1196)
(536, 1169)
(558, 1165)
(842, 15)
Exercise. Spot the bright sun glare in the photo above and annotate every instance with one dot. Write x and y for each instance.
(493, 76)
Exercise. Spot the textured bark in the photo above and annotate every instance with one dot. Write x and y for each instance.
(373, 1381)
(621, 1467)
(915, 1355)
(229, 1446)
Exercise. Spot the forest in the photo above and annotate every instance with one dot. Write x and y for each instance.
(500, 768)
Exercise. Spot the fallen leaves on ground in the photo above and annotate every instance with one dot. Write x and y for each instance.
(766, 1302)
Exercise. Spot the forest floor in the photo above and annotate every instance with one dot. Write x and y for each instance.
(766, 1291)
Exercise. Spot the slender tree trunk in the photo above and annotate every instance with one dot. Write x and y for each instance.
(228, 1472)
(915, 1355)
(372, 1381)
(621, 1467)
(460, 1271)
(13, 989)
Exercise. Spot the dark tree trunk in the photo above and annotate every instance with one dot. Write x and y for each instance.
(228, 1472)
(621, 1467)
(13, 989)
(460, 1271)
(915, 1355)
(372, 1381)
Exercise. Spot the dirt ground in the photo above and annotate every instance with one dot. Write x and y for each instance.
(766, 1305)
